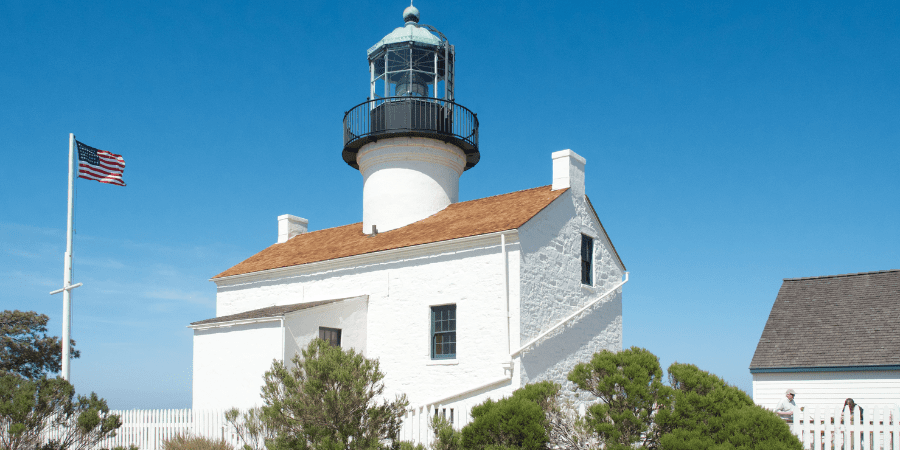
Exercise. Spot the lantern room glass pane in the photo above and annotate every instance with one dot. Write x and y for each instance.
(422, 60)
(398, 60)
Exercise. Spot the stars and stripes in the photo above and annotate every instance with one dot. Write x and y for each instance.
(100, 165)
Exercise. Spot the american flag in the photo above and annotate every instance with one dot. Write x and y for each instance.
(100, 165)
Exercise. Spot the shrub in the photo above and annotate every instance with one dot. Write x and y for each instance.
(629, 385)
(250, 428)
(329, 400)
(517, 421)
(406, 445)
(32, 409)
(187, 442)
(710, 414)
(445, 437)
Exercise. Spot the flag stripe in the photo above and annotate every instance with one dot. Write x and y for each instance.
(99, 178)
(98, 173)
(102, 180)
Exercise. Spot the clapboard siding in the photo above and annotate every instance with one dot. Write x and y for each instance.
(828, 388)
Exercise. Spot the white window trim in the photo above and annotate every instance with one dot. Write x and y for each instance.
(441, 362)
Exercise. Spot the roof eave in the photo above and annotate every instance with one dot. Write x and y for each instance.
(825, 369)
(362, 257)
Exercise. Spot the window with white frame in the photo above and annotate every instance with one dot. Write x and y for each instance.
(443, 332)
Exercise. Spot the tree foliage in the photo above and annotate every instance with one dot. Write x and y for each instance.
(710, 414)
(518, 421)
(328, 401)
(31, 404)
(30, 408)
(629, 385)
(25, 348)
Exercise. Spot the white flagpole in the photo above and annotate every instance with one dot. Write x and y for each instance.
(67, 275)
(67, 281)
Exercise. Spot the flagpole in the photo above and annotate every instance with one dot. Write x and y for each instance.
(67, 280)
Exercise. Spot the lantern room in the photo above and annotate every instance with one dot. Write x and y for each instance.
(412, 61)
(411, 93)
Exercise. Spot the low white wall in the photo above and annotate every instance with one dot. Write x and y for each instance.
(828, 388)
(349, 316)
(229, 363)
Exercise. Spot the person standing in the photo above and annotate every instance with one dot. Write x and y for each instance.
(786, 406)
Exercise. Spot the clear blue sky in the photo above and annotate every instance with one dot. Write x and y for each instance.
(729, 145)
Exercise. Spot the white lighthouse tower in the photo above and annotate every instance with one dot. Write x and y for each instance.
(410, 140)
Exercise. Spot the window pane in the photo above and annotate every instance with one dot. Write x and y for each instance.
(443, 332)
(587, 257)
(330, 335)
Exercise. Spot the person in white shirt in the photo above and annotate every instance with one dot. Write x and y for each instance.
(786, 406)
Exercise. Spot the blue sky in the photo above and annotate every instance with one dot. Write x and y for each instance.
(729, 145)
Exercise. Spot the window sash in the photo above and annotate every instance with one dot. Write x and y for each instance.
(330, 335)
(587, 258)
(443, 332)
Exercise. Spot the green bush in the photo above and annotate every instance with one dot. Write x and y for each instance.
(629, 386)
(445, 437)
(518, 421)
(406, 445)
(330, 399)
(186, 442)
(710, 414)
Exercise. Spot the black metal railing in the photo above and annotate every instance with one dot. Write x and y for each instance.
(411, 116)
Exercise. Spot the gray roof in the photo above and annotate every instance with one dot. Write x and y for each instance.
(850, 321)
(271, 311)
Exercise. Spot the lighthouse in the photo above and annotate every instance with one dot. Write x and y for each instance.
(410, 140)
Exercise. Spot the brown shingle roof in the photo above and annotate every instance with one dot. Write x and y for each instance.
(270, 311)
(833, 321)
(472, 218)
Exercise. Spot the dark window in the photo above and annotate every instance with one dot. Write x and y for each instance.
(587, 256)
(330, 335)
(443, 332)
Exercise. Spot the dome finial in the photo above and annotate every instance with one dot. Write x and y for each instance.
(411, 14)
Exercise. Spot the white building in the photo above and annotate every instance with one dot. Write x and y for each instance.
(458, 300)
(831, 338)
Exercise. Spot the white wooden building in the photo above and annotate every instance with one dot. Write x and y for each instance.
(831, 338)
(458, 300)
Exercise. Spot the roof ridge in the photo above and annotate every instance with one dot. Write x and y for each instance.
(508, 193)
(842, 275)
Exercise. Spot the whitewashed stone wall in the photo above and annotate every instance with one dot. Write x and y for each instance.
(552, 290)
(828, 388)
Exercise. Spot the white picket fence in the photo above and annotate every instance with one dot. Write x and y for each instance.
(834, 428)
(147, 429)
(818, 427)
(417, 422)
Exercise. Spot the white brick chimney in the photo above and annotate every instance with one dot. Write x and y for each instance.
(290, 226)
(568, 171)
